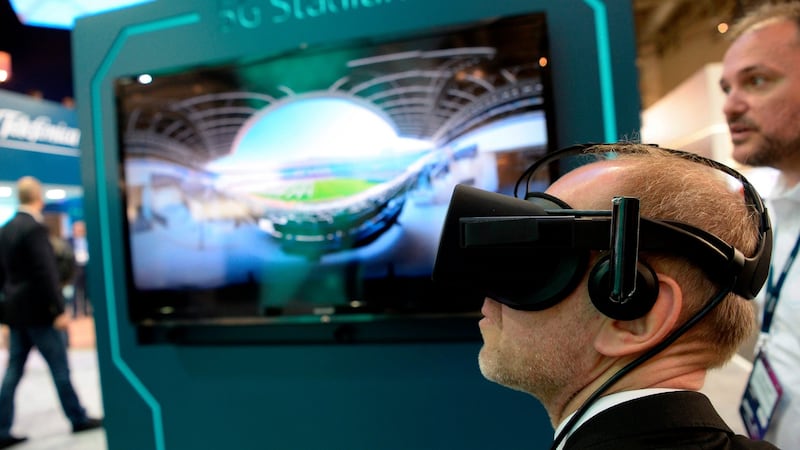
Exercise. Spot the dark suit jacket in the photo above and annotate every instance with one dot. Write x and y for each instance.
(28, 274)
(673, 420)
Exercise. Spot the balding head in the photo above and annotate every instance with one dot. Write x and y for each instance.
(29, 192)
(678, 189)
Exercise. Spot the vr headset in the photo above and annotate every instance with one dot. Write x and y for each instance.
(532, 253)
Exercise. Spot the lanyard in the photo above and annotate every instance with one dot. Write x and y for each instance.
(774, 289)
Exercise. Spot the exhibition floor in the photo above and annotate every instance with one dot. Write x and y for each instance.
(38, 412)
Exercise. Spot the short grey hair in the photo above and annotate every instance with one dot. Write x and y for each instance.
(766, 13)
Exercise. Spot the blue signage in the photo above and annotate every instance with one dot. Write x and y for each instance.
(39, 138)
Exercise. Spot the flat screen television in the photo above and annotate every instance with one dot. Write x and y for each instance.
(310, 187)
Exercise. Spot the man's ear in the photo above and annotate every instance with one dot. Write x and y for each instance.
(626, 337)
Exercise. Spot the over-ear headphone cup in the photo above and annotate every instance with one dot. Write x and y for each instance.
(639, 304)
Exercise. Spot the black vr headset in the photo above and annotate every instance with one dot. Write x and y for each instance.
(532, 253)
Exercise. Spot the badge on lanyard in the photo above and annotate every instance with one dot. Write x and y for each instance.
(764, 391)
(761, 398)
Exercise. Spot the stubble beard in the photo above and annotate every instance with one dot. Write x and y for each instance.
(771, 152)
(540, 375)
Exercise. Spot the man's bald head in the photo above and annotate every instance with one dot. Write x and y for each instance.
(29, 191)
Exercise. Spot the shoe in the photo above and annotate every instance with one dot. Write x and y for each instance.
(8, 441)
(90, 424)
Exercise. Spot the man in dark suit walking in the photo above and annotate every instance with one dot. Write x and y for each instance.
(33, 308)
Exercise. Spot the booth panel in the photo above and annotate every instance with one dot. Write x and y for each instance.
(337, 394)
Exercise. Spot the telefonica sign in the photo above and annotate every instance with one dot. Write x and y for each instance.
(35, 125)
(37, 133)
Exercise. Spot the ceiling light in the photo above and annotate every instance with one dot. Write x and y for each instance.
(56, 194)
(5, 66)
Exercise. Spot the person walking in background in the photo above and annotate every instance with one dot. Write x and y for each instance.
(33, 309)
(65, 266)
(80, 248)
(761, 83)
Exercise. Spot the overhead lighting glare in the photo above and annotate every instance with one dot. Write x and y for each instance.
(62, 13)
(5, 191)
(5, 66)
(722, 28)
(145, 78)
(56, 194)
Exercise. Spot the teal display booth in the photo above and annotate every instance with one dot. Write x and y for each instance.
(421, 394)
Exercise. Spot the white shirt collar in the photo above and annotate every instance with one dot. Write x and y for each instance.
(781, 190)
(604, 403)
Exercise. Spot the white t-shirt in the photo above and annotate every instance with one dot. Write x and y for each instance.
(783, 342)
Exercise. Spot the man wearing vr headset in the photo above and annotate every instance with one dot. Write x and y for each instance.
(625, 377)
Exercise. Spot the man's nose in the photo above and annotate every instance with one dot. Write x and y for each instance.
(735, 105)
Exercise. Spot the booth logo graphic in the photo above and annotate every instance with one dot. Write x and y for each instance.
(251, 14)
(18, 125)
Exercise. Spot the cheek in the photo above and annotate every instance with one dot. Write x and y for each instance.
(779, 113)
(518, 323)
(531, 332)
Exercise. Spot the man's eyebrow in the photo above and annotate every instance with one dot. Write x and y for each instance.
(753, 68)
(744, 72)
